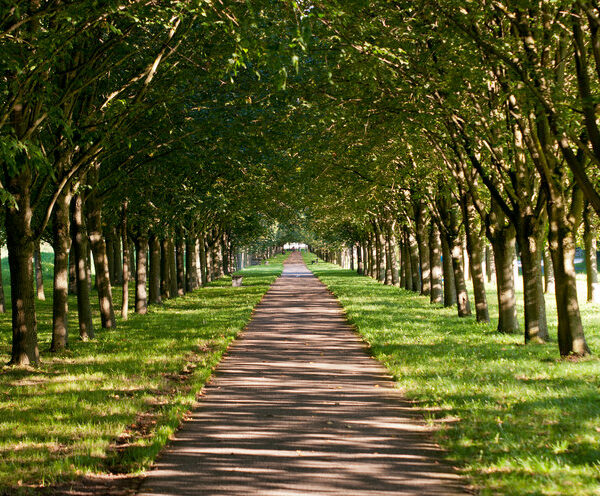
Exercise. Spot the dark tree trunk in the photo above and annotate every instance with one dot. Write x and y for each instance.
(110, 255)
(449, 285)
(155, 270)
(20, 244)
(80, 254)
(117, 256)
(180, 258)
(359, 259)
(94, 217)
(2, 298)
(503, 246)
(72, 274)
(371, 258)
(172, 268)
(165, 270)
(435, 262)
(393, 257)
(191, 270)
(39, 273)
(421, 235)
(141, 270)
(126, 260)
(203, 260)
(61, 243)
(225, 250)
(406, 262)
(591, 264)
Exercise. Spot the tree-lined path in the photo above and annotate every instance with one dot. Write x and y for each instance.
(297, 407)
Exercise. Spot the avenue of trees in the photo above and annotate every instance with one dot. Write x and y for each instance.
(157, 140)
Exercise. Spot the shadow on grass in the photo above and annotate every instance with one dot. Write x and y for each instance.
(515, 418)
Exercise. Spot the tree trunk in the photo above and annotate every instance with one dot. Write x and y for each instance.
(80, 255)
(61, 243)
(359, 259)
(180, 259)
(503, 246)
(2, 298)
(435, 262)
(548, 272)
(536, 329)
(489, 262)
(393, 256)
(141, 270)
(424, 265)
(20, 244)
(462, 297)
(475, 259)
(561, 241)
(39, 274)
(591, 264)
(94, 217)
(173, 268)
(191, 257)
(203, 261)
(72, 274)
(414, 262)
(449, 286)
(155, 270)
(109, 240)
(117, 256)
(126, 261)
(165, 270)
(406, 262)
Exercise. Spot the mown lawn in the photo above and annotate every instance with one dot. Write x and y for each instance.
(110, 405)
(515, 419)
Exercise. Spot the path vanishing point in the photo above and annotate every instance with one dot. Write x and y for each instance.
(297, 407)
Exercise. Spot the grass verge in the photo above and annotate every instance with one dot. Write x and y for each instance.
(515, 419)
(110, 405)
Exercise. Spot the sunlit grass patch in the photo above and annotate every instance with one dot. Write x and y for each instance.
(110, 405)
(516, 419)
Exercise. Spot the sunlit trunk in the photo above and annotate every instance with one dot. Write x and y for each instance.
(39, 273)
(503, 246)
(548, 272)
(141, 271)
(414, 262)
(435, 262)
(126, 261)
(462, 297)
(191, 258)
(591, 264)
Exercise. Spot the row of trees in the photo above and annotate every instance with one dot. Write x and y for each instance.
(452, 120)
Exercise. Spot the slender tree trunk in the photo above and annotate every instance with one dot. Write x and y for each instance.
(475, 259)
(2, 298)
(141, 269)
(370, 255)
(435, 262)
(489, 262)
(449, 285)
(173, 268)
(61, 243)
(203, 260)
(406, 262)
(421, 235)
(165, 270)
(503, 245)
(117, 256)
(359, 259)
(591, 264)
(561, 241)
(72, 274)
(39, 274)
(462, 297)
(180, 265)
(548, 272)
(191, 257)
(536, 329)
(109, 241)
(393, 257)
(20, 244)
(80, 255)
(126, 261)
(155, 270)
(414, 262)
(94, 217)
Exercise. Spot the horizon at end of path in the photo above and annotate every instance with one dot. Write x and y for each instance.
(298, 407)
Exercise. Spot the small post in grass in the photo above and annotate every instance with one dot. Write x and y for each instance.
(236, 281)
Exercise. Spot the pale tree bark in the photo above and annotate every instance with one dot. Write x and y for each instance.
(191, 258)
(126, 261)
(141, 271)
(591, 263)
(548, 272)
(435, 262)
(413, 252)
(39, 273)
(422, 241)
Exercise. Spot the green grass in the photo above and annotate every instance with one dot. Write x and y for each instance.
(110, 405)
(515, 419)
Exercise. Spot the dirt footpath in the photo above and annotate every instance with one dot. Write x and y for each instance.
(297, 407)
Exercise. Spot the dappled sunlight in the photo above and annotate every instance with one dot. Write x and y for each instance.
(521, 411)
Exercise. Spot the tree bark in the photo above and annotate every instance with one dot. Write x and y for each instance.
(141, 270)
(591, 264)
(20, 244)
(172, 268)
(61, 243)
(503, 246)
(39, 273)
(80, 254)
(72, 274)
(435, 262)
(393, 256)
(414, 262)
(109, 241)
(359, 259)
(117, 256)
(421, 235)
(180, 259)
(449, 286)
(2, 298)
(462, 297)
(165, 270)
(94, 218)
(155, 270)
(191, 257)
(489, 262)
(203, 260)
(548, 272)
(126, 261)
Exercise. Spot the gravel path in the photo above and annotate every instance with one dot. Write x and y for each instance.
(297, 407)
